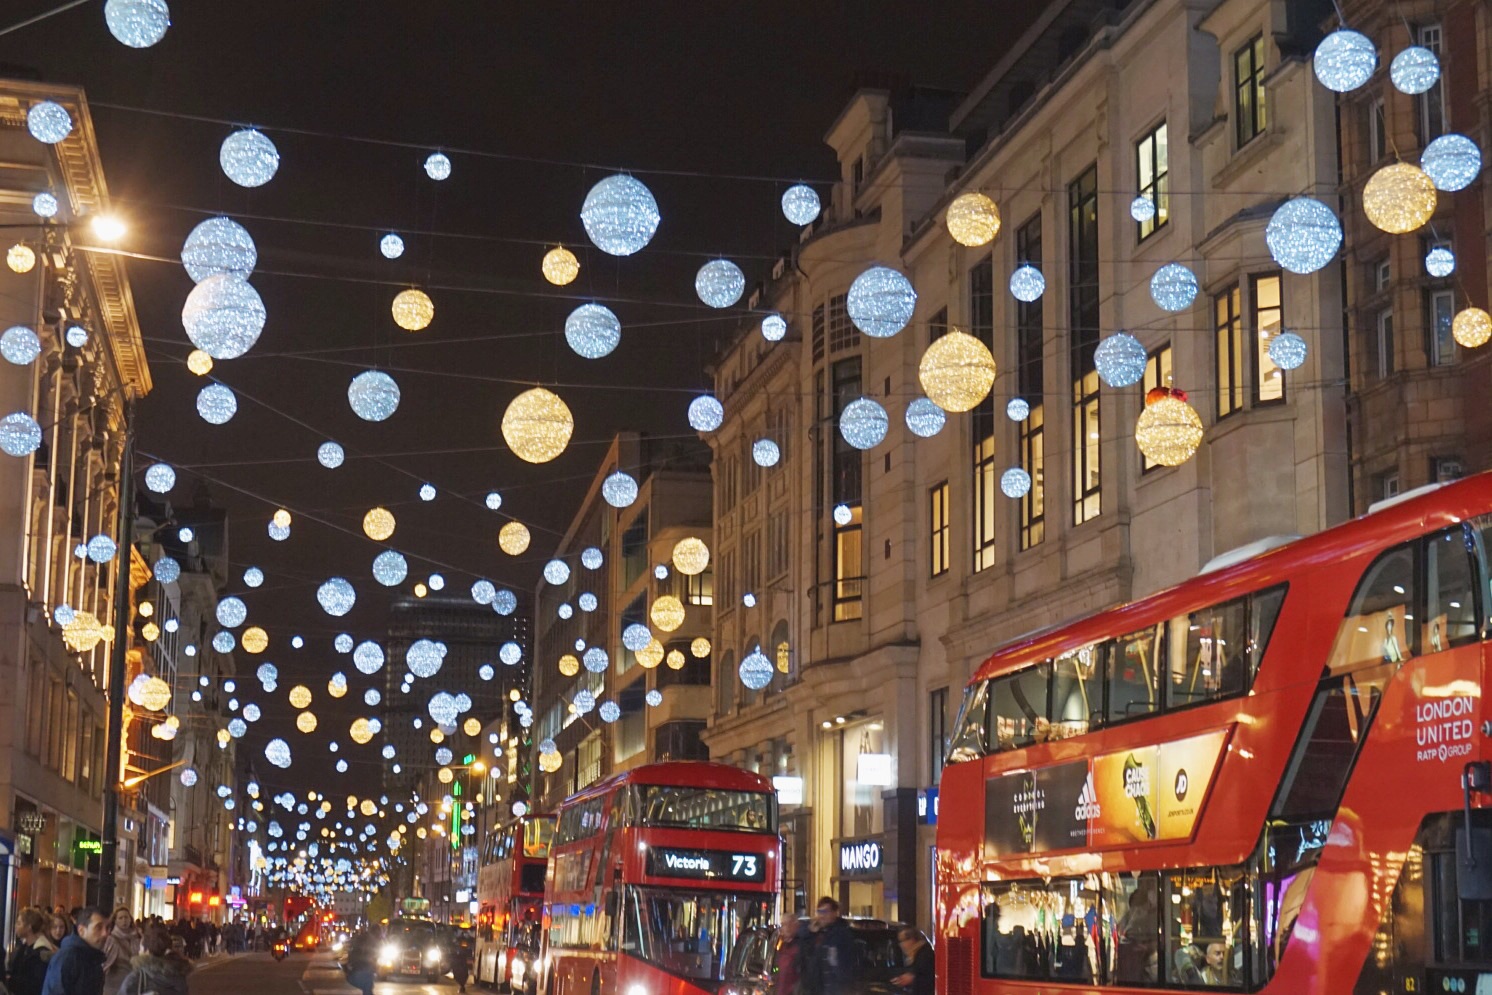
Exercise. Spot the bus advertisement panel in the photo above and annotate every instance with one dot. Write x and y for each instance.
(1252, 781)
(654, 874)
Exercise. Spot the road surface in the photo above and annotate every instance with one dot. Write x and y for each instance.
(298, 974)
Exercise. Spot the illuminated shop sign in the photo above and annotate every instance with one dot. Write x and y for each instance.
(860, 858)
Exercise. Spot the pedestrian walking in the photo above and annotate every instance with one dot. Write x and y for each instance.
(918, 978)
(122, 945)
(461, 962)
(362, 962)
(158, 968)
(27, 969)
(835, 967)
(77, 968)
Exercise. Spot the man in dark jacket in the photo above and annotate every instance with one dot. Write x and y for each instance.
(835, 966)
(918, 953)
(78, 966)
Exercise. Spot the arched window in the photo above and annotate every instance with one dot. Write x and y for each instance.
(725, 684)
(780, 652)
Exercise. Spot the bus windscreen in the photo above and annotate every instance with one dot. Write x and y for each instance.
(707, 808)
(687, 933)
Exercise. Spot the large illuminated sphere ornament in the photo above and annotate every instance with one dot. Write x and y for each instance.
(166, 570)
(278, 532)
(774, 328)
(1440, 262)
(609, 711)
(224, 642)
(513, 539)
(361, 731)
(863, 423)
(537, 425)
(973, 219)
(800, 204)
(1168, 431)
(1017, 409)
(21, 258)
(1414, 70)
(1173, 287)
(442, 708)
(592, 331)
(583, 701)
(957, 371)
(1472, 327)
(306, 722)
(705, 413)
(277, 752)
(231, 612)
(1344, 60)
(19, 345)
(373, 395)
(1027, 284)
(138, 24)
(223, 316)
(1399, 198)
(199, 362)
(44, 205)
(391, 246)
(719, 283)
(20, 435)
(755, 670)
(1451, 162)
(619, 489)
(336, 596)
(881, 301)
(1303, 235)
(152, 694)
(255, 640)
(924, 418)
(483, 591)
(650, 655)
(691, 556)
(1015, 482)
(330, 455)
(101, 549)
(654, 698)
(596, 660)
(342, 643)
(842, 514)
(1120, 360)
(299, 696)
(1142, 209)
(368, 658)
(556, 572)
(765, 453)
(218, 245)
(1287, 351)
(378, 524)
(510, 653)
(413, 310)
(249, 158)
(591, 558)
(424, 658)
(438, 166)
(636, 636)
(49, 122)
(560, 267)
(587, 601)
(667, 613)
(620, 215)
(253, 577)
(569, 665)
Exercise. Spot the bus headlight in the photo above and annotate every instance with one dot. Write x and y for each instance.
(387, 954)
(519, 970)
(636, 990)
(432, 955)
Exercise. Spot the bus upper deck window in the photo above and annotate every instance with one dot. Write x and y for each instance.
(969, 732)
(1450, 595)
(1379, 625)
(1134, 674)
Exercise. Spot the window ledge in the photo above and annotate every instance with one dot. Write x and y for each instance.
(1274, 411)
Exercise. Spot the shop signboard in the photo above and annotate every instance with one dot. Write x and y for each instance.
(861, 858)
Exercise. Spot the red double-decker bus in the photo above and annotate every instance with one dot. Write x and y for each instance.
(510, 893)
(653, 874)
(1252, 781)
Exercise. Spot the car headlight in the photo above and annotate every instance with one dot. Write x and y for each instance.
(388, 954)
(519, 969)
(432, 955)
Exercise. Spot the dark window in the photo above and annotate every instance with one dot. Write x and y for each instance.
(937, 325)
(1083, 316)
(982, 327)
(1019, 707)
(937, 726)
(1431, 105)
(1135, 663)
(842, 334)
(1152, 170)
(680, 741)
(1033, 458)
(1249, 114)
(635, 548)
(1228, 338)
(818, 333)
(1377, 130)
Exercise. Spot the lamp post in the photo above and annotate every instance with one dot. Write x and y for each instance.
(108, 870)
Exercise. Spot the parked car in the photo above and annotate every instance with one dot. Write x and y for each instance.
(411, 947)
(760, 956)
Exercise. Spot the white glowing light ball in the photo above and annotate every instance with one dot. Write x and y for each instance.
(654, 698)
(49, 122)
(636, 637)
(373, 395)
(619, 489)
(427, 492)
(1173, 287)
(609, 711)
(219, 245)
(368, 657)
(863, 423)
(774, 328)
(620, 215)
(330, 455)
(1303, 235)
(881, 301)
(1440, 262)
(765, 453)
(924, 418)
(20, 435)
(277, 752)
(138, 24)
(424, 658)
(249, 158)
(223, 315)
(1344, 60)
(1027, 284)
(1120, 360)
(719, 283)
(44, 205)
(1015, 482)
(556, 572)
(505, 602)
(1017, 409)
(483, 591)
(391, 246)
(167, 570)
(756, 670)
(101, 549)
(1451, 162)
(1287, 350)
(592, 331)
(438, 166)
(1414, 70)
(1142, 209)
(19, 345)
(705, 413)
(800, 204)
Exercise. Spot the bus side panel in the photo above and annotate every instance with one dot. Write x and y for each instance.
(1424, 732)
(959, 862)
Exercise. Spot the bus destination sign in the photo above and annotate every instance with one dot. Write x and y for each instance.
(707, 865)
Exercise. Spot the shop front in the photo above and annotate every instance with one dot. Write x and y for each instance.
(873, 865)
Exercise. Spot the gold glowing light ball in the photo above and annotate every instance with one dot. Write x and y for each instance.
(413, 310)
(20, 258)
(700, 648)
(368, 806)
(957, 371)
(300, 696)
(513, 538)
(254, 640)
(306, 722)
(361, 731)
(537, 425)
(651, 655)
(560, 266)
(153, 694)
(667, 613)
(437, 737)
(675, 660)
(569, 665)
(281, 518)
(335, 689)
(199, 362)
(223, 737)
(85, 632)
(1399, 198)
(550, 762)
(378, 524)
(973, 219)
(150, 632)
(1168, 431)
(471, 727)
(1472, 327)
(691, 556)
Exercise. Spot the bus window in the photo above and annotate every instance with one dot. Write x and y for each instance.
(1134, 904)
(1019, 703)
(1215, 663)
(1264, 609)
(1334, 731)
(1206, 927)
(537, 833)
(1377, 627)
(706, 808)
(1077, 699)
(1450, 595)
(689, 934)
(1134, 674)
(969, 741)
(1041, 929)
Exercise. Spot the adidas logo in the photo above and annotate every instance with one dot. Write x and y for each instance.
(1088, 807)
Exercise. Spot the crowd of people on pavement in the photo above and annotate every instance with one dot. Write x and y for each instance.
(823, 958)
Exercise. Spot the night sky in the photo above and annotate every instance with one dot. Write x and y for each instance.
(717, 107)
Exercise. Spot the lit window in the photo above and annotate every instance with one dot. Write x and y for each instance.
(1269, 379)
(1152, 169)
(938, 529)
(1228, 334)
